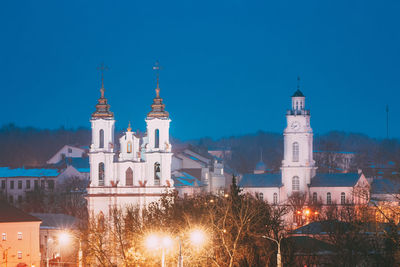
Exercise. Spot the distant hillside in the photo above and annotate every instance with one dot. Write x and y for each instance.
(32, 147)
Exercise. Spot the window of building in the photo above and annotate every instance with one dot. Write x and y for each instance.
(101, 173)
(28, 184)
(157, 138)
(314, 197)
(101, 137)
(11, 199)
(36, 184)
(11, 184)
(69, 150)
(129, 147)
(50, 184)
(328, 198)
(295, 152)
(295, 183)
(129, 177)
(43, 184)
(19, 235)
(19, 199)
(275, 198)
(19, 184)
(343, 198)
(4, 236)
(157, 173)
(19, 254)
(3, 184)
(261, 196)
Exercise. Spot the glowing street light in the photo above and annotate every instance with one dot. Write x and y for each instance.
(64, 238)
(197, 237)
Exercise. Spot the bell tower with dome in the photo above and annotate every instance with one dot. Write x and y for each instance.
(298, 165)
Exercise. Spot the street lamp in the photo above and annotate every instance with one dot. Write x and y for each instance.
(154, 242)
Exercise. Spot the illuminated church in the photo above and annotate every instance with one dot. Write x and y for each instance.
(140, 172)
(298, 171)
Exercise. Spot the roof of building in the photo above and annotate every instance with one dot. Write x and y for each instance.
(298, 93)
(308, 245)
(335, 180)
(329, 226)
(22, 172)
(56, 221)
(81, 164)
(182, 178)
(102, 107)
(9, 213)
(385, 186)
(158, 107)
(261, 180)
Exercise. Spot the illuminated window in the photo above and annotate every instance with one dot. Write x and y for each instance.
(19, 235)
(328, 198)
(129, 177)
(129, 147)
(101, 136)
(4, 236)
(261, 196)
(19, 254)
(343, 198)
(295, 152)
(275, 198)
(157, 173)
(314, 197)
(295, 183)
(157, 138)
(101, 173)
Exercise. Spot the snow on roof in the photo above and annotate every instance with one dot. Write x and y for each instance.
(22, 172)
(261, 180)
(335, 180)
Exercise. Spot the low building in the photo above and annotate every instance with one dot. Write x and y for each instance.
(58, 238)
(67, 151)
(19, 244)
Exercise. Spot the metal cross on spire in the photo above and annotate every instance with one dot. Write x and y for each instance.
(102, 69)
(157, 69)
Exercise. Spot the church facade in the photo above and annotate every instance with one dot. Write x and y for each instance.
(140, 171)
(298, 169)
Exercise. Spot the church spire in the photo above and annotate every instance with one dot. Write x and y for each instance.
(102, 107)
(158, 107)
(298, 93)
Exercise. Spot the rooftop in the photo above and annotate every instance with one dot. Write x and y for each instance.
(22, 172)
(56, 221)
(261, 180)
(335, 180)
(9, 213)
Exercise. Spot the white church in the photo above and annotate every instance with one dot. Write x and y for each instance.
(138, 174)
(298, 170)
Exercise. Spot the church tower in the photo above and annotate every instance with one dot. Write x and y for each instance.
(298, 165)
(101, 155)
(156, 147)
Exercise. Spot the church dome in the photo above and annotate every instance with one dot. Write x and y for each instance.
(261, 167)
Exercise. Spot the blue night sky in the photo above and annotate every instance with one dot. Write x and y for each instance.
(230, 67)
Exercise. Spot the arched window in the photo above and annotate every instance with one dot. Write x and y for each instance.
(101, 173)
(295, 149)
(343, 198)
(297, 105)
(328, 198)
(129, 177)
(101, 138)
(129, 147)
(275, 198)
(314, 197)
(261, 196)
(157, 138)
(295, 183)
(157, 173)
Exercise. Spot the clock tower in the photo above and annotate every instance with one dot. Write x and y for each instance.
(298, 165)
